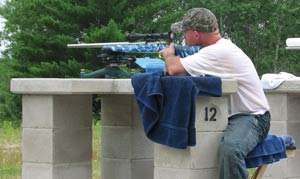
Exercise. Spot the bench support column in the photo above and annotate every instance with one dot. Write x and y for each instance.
(285, 109)
(125, 151)
(57, 137)
(199, 161)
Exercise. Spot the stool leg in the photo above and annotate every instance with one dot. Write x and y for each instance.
(259, 173)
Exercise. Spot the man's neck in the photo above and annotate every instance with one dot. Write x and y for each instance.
(210, 38)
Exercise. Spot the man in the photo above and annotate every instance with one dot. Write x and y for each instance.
(249, 119)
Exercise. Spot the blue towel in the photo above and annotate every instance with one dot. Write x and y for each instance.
(288, 140)
(167, 105)
(270, 150)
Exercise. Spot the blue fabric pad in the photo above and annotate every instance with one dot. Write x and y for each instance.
(150, 64)
(182, 51)
(270, 150)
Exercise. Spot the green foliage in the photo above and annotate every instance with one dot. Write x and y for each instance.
(155, 16)
(10, 104)
(39, 30)
(260, 28)
(69, 69)
(109, 33)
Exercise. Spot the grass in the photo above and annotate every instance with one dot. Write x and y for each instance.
(11, 155)
(96, 150)
(10, 151)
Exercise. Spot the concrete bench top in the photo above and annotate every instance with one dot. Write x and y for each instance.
(293, 44)
(288, 86)
(86, 86)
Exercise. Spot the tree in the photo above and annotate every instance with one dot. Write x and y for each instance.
(39, 31)
(260, 28)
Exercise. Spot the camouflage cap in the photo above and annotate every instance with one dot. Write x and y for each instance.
(200, 19)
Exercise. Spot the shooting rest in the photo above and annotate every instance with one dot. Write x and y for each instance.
(114, 55)
(112, 61)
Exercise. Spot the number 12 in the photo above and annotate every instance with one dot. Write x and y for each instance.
(212, 114)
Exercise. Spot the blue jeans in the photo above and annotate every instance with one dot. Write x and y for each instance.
(243, 133)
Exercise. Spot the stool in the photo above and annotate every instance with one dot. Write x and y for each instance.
(271, 150)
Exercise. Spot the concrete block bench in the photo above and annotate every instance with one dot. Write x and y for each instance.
(57, 132)
(285, 111)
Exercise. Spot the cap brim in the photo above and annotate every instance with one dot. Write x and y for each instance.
(177, 27)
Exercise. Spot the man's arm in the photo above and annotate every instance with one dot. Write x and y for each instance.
(173, 64)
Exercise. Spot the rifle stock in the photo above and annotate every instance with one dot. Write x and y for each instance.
(138, 47)
(100, 45)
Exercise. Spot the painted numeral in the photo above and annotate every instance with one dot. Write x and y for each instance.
(210, 114)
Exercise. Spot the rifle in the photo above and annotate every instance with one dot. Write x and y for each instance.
(116, 54)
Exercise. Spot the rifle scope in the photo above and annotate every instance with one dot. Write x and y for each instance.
(131, 37)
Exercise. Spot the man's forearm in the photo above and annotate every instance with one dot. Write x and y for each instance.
(173, 65)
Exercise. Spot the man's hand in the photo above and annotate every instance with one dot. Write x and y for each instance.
(173, 64)
(167, 51)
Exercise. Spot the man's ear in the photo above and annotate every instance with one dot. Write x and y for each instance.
(197, 35)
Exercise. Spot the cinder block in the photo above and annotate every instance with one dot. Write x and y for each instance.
(116, 142)
(142, 169)
(56, 112)
(72, 111)
(73, 171)
(199, 157)
(293, 108)
(125, 143)
(169, 173)
(205, 154)
(169, 157)
(136, 115)
(293, 164)
(278, 106)
(37, 145)
(141, 146)
(116, 110)
(56, 146)
(277, 169)
(211, 114)
(126, 169)
(205, 173)
(37, 111)
(115, 168)
(72, 145)
(278, 127)
(37, 171)
(293, 129)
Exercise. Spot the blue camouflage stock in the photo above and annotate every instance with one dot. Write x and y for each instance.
(181, 51)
